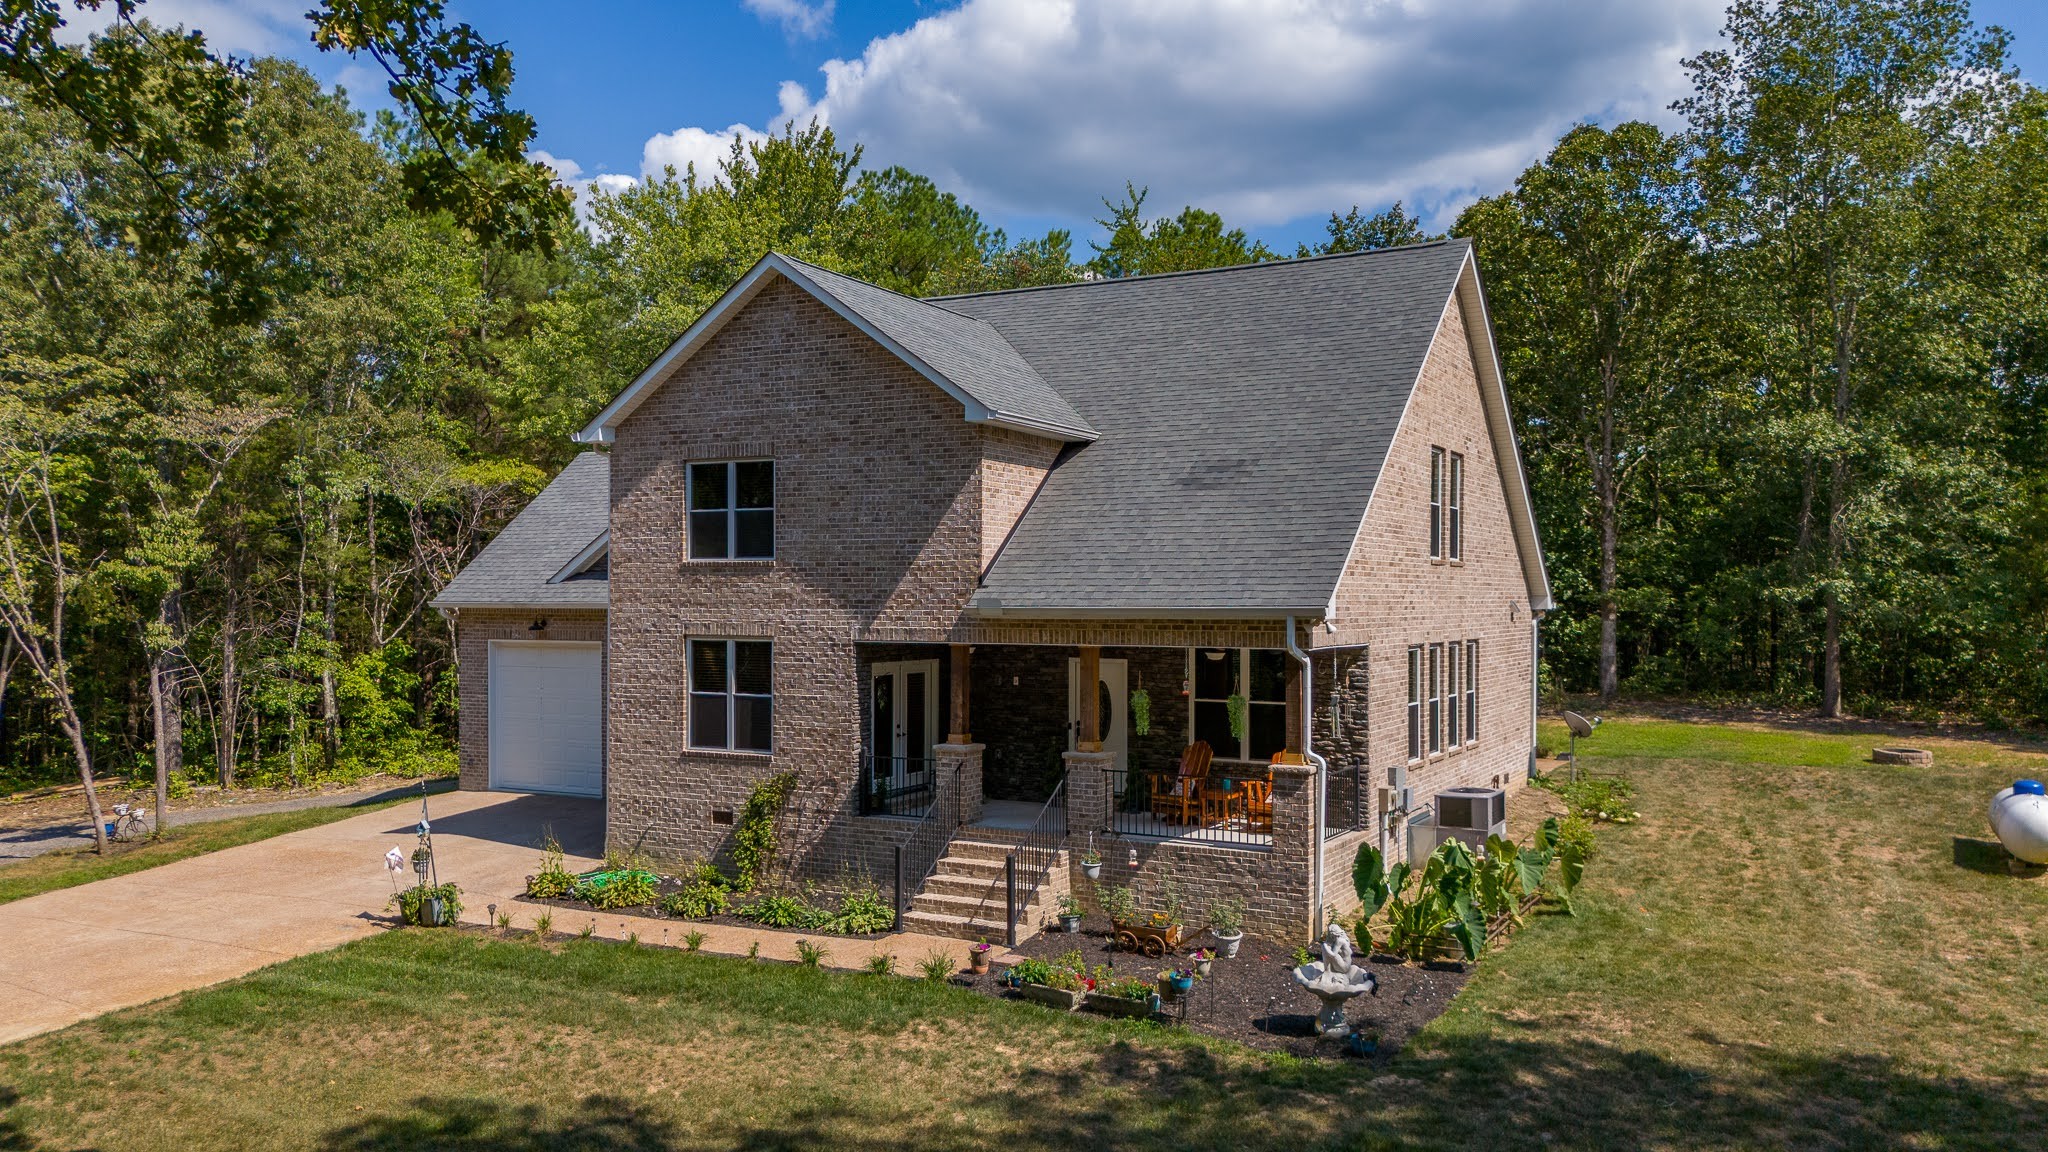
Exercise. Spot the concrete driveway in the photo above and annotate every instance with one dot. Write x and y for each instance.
(70, 955)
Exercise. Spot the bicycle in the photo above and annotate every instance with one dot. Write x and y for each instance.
(127, 824)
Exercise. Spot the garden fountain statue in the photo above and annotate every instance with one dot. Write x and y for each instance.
(1335, 981)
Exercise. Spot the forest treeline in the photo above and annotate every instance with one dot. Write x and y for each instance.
(266, 387)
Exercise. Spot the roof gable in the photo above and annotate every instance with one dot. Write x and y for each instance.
(965, 356)
(533, 562)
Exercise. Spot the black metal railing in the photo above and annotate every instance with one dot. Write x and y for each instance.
(1347, 799)
(920, 849)
(1036, 850)
(897, 786)
(1229, 805)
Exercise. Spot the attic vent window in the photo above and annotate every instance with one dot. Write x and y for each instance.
(732, 510)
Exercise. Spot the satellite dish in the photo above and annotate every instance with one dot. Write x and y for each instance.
(1579, 725)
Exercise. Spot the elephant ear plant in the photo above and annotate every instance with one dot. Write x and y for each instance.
(1445, 900)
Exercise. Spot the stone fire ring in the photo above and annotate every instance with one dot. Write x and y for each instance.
(1920, 757)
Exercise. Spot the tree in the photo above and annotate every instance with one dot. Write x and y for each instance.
(1817, 127)
(1192, 240)
(1353, 232)
(1587, 262)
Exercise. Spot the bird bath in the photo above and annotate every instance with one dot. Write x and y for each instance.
(1335, 981)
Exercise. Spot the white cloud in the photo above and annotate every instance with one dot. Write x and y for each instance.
(1267, 112)
(705, 148)
(798, 18)
(239, 27)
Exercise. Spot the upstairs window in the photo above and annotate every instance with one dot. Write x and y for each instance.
(1436, 503)
(1471, 691)
(732, 695)
(1415, 702)
(1436, 698)
(732, 510)
(1455, 506)
(1451, 728)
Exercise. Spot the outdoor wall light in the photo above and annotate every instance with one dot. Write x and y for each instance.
(540, 625)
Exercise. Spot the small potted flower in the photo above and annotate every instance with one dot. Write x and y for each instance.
(977, 957)
(1226, 923)
(1091, 864)
(1175, 982)
(1070, 914)
(1203, 958)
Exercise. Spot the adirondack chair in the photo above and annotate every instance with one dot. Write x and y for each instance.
(1177, 796)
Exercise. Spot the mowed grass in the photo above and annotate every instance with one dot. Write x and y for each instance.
(69, 868)
(1777, 956)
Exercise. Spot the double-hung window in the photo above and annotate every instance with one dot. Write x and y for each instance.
(732, 510)
(1415, 702)
(732, 695)
(1455, 508)
(1436, 698)
(1257, 674)
(1451, 729)
(1436, 503)
(1471, 691)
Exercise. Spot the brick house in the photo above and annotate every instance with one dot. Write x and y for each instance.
(884, 543)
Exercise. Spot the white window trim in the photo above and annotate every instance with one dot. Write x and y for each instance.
(1434, 525)
(1454, 712)
(730, 692)
(1471, 692)
(732, 509)
(1454, 509)
(1418, 741)
(1433, 701)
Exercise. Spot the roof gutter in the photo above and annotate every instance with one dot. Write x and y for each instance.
(1322, 767)
(990, 608)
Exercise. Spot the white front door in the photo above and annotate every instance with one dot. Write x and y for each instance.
(546, 716)
(904, 713)
(1111, 698)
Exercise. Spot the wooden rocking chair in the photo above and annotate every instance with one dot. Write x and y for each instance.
(1177, 796)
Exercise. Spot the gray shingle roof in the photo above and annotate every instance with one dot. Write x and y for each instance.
(1243, 414)
(514, 569)
(966, 351)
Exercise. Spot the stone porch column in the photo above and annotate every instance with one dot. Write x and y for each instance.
(966, 758)
(1087, 792)
(1294, 849)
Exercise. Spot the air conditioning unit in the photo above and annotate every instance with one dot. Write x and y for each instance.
(1471, 815)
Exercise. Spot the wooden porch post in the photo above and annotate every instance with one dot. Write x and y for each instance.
(1090, 737)
(961, 731)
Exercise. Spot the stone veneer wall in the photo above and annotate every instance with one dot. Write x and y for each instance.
(475, 628)
(1019, 711)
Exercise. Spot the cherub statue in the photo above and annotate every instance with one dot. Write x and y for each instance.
(1336, 950)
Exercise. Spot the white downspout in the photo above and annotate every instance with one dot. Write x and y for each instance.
(1322, 767)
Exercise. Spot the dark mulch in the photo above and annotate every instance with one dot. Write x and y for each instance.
(1253, 999)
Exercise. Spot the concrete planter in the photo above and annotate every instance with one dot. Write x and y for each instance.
(1119, 1006)
(1226, 946)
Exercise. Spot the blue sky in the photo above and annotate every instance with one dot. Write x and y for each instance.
(1274, 113)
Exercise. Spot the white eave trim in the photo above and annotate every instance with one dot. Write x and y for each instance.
(1493, 393)
(585, 558)
(604, 425)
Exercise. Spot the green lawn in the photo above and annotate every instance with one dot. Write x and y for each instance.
(65, 869)
(1779, 955)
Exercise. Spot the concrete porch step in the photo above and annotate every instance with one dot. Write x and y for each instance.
(994, 850)
(976, 887)
(969, 866)
(956, 927)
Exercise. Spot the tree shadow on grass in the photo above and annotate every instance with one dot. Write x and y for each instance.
(1517, 1094)
(12, 1137)
(467, 1124)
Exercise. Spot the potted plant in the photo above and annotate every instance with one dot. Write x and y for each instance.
(1070, 914)
(977, 957)
(1203, 958)
(1091, 864)
(1180, 980)
(1226, 923)
(429, 905)
(1120, 995)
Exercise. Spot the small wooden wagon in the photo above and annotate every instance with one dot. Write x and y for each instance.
(1148, 939)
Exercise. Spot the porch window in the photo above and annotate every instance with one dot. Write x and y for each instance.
(1471, 691)
(1436, 503)
(1257, 674)
(1436, 698)
(732, 696)
(732, 510)
(1456, 505)
(1452, 730)
(1415, 702)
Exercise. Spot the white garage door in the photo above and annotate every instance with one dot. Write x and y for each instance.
(546, 717)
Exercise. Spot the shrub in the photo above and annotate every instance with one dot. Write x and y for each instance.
(1226, 916)
(864, 912)
(784, 912)
(1120, 903)
(693, 941)
(624, 888)
(553, 881)
(412, 901)
(696, 902)
(1605, 798)
(754, 839)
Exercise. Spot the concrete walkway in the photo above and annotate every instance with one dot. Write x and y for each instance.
(70, 955)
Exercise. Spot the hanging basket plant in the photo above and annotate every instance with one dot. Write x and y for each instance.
(1141, 712)
(1236, 707)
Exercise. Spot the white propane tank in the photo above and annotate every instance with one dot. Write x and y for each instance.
(2019, 818)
